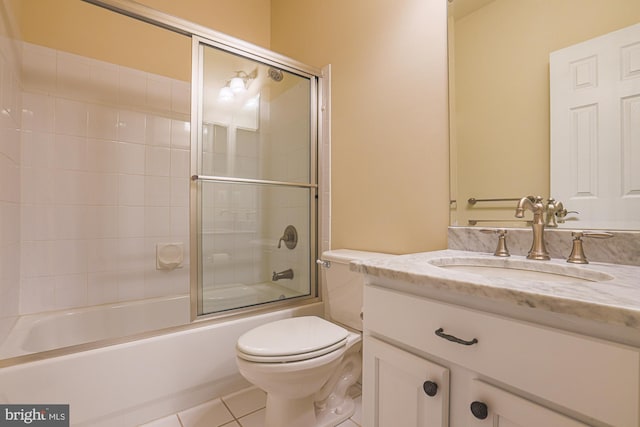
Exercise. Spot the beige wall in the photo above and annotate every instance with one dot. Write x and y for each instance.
(248, 20)
(502, 92)
(84, 29)
(389, 118)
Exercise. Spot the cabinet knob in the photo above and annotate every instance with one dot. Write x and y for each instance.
(479, 410)
(430, 388)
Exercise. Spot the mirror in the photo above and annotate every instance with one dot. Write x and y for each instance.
(499, 99)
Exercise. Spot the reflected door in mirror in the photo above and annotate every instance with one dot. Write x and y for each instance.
(595, 128)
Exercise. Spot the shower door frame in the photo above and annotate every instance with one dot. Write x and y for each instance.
(268, 58)
(320, 141)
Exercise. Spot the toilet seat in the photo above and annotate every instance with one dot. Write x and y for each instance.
(291, 340)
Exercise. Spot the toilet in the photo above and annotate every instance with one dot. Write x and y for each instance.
(306, 365)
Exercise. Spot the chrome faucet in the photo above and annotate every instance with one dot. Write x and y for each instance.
(534, 204)
(286, 274)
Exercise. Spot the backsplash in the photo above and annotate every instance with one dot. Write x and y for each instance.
(622, 248)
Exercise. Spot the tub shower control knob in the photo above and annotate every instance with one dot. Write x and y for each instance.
(289, 237)
(479, 410)
(430, 388)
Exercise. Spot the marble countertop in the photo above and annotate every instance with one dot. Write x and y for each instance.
(614, 301)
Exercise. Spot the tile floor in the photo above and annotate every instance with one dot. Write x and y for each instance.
(244, 408)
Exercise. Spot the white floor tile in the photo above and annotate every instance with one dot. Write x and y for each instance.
(170, 421)
(209, 414)
(255, 419)
(357, 415)
(248, 407)
(245, 401)
(355, 390)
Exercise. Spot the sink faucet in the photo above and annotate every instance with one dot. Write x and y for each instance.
(534, 204)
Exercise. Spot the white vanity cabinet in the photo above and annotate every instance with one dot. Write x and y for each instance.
(512, 373)
(409, 390)
(511, 410)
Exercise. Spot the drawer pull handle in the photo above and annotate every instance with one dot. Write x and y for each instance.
(441, 334)
(479, 410)
(430, 388)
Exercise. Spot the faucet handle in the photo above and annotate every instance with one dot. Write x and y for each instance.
(290, 237)
(577, 255)
(501, 249)
(553, 211)
(563, 213)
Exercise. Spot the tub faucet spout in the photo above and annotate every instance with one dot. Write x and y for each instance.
(287, 274)
(538, 249)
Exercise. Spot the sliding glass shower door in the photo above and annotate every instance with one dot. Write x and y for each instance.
(254, 191)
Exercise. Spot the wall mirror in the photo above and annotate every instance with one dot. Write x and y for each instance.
(500, 103)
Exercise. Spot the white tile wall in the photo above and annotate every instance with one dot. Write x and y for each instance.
(277, 155)
(10, 182)
(105, 176)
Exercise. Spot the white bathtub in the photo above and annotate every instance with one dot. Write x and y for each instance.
(40, 332)
(134, 382)
(220, 298)
(47, 331)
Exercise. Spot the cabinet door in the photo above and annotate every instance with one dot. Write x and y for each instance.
(504, 409)
(401, 389)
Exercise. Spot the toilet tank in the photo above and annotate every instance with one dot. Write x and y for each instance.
(344, 287)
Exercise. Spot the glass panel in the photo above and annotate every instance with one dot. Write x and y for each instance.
(257, 239)
(266, 114)
(241, 228)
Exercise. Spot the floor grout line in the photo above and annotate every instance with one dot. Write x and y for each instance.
(237, 419)
(230, 411)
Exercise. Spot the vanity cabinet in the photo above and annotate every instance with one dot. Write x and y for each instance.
(504, 409)
(409, 390)
(510, 372)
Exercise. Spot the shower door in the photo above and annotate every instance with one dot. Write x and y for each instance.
(254, 191)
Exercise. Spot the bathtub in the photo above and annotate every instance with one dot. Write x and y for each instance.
(225, 297)
(40, 332)
(47, 331)
(133, 382)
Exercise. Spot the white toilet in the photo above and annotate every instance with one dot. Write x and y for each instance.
(307, 364)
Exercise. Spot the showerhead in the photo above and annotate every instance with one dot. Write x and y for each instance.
(275, 74)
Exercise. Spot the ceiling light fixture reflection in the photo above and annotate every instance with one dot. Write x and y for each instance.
(238, 85)
(252, 102)
(226, 94)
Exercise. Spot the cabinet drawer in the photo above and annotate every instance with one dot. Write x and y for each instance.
(593, 377)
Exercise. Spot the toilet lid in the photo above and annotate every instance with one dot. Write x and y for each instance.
(286, 340)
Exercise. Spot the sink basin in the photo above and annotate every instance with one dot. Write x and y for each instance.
(501, 268)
